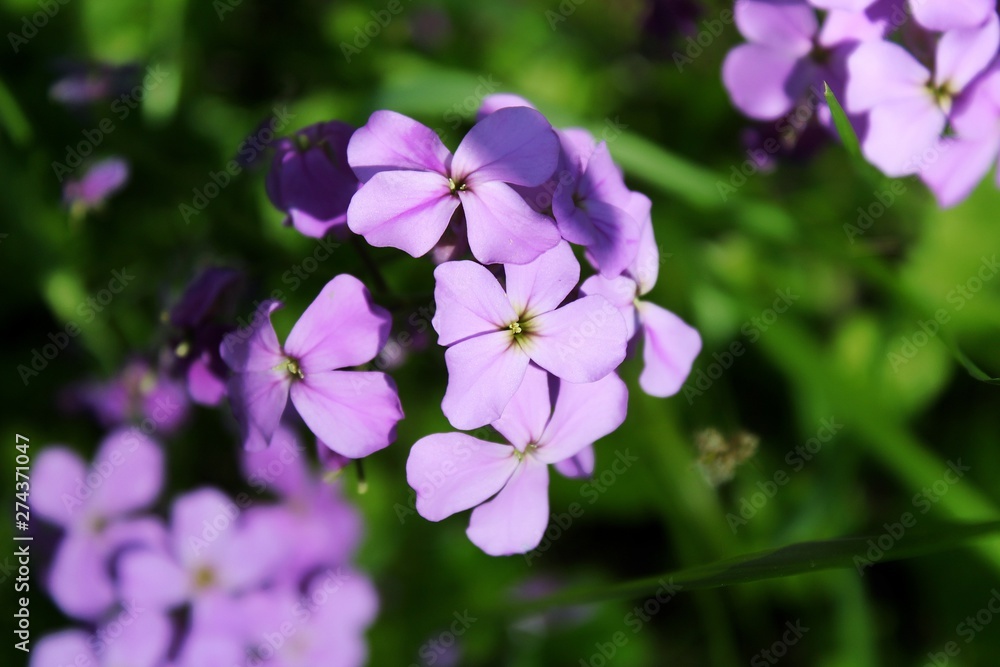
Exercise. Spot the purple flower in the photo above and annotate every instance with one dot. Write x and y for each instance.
(493, 335)
(99, 182)
(85, 83)
(508, 484)
(138, 394)
(670, 345)
(310, 178)
(92, 505)
(322, 529)
(355, 413)
(413, 185)
(909, 106)
(589, 203)
(212, 548)
(142, 641)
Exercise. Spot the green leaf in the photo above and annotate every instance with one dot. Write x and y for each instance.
(844, 552)
(973, 370)
(843, 125)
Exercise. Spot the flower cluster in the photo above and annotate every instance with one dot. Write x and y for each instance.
(261, 583)
(918, 79)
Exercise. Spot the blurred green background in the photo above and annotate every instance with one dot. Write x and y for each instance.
(859, 300)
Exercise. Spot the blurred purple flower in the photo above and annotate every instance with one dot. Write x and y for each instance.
(310, 179)
(99, 182)
(143, 641)
(93, 507)
(85, 83)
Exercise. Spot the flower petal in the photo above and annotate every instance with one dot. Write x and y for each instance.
(255, 347)
(788, 26)
(483, 374)
(523, 420)
(66, 647)
(408, 210)
(621, 292)
(142, 643)
(391, 141)
(962, 54)
(583, 414)
(80, 581)
(152, 579)
(515, 145)
(58, 472)
(944, 15)
(353, 413)
(880, 72)
(581, 342)
(452, 472)
(468, 301)
(502, 227)
(342, 327)
(900, 131)
(757, 78)
(670, 348)
(541, 285)
(281, 468)
(258, 401)
(959, 167)
(515, 520)
(616, 238)
(131, 466)
(579, 466)
(645, 268)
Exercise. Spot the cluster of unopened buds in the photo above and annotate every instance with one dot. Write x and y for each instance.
(919, 79)
(511, 220)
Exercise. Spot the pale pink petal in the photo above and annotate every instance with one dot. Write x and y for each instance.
(483, 374)
(152, 579)
(899, 132)
(541, 285)
(353, 413)
(408, 210)
(523, 420)
(502, 227)
(964, 53)
(880, 72)
(57, 484)
(452, 472)
(468, 301)
(580, 466)
(789, 26)
(583, 414)
(390, 141)
(581, 342)
(958, 166)
(515, 520)
(514, 145)
(342, 327)
(944, 15)
(131, 467)
(756, 77)
(621, 292)
(669, 350)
